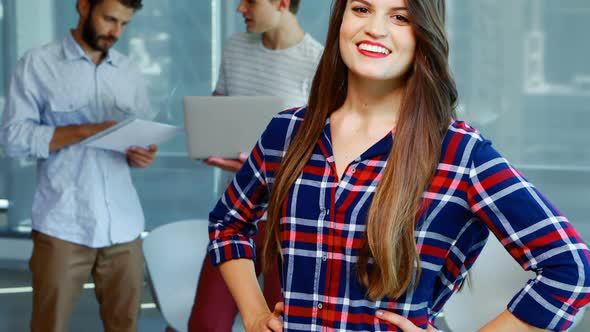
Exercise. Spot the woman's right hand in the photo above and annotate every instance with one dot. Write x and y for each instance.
(268, 322)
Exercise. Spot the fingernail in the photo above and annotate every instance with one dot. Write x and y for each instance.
(379, 313)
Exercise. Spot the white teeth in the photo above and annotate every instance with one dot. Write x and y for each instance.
(374, 48)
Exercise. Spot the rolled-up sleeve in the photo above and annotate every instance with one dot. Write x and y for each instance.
(23, 134)
(234, 218)
(537, 236)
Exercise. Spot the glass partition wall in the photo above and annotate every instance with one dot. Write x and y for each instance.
(3, 161)
(521, 68)
(524, 82)
(177, 44)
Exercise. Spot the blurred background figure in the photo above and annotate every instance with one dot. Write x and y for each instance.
(86, 216)
(275, 57)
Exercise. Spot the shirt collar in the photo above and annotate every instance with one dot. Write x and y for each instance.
(380, 149)
(73, 51)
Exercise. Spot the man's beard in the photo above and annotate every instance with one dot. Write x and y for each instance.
(92, 38)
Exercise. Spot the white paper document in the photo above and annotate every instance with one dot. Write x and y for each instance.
(132, 132)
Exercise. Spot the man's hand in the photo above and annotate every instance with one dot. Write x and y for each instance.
(232, 165)
(140, 157)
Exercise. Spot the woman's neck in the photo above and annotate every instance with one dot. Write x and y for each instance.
(372, 99)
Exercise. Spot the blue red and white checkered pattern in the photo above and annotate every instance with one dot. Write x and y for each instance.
(474, 191)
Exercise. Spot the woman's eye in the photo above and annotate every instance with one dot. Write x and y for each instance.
(361, 10)
(400, 19)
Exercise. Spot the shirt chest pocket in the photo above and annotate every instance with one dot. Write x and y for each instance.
(62, 112)
(121, 109)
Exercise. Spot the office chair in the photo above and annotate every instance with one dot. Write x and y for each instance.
(174, 254)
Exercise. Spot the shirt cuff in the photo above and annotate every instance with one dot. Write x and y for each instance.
(534, 306)
(232, 247)
(41, 139)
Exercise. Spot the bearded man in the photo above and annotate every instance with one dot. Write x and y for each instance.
(86, 216)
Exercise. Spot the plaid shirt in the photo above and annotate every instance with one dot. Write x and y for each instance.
(474, 191)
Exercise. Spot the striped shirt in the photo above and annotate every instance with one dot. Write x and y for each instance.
(474, 191)
(250, 69)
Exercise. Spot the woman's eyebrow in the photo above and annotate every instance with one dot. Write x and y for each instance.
(367, 3)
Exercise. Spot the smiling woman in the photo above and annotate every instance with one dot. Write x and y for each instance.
(379, 200)
(375, 32)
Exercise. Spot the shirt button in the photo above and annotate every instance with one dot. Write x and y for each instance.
(327, 212)
(353, 170)
(324, 258)
(320, 306)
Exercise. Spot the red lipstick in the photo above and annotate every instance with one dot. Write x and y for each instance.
(373, 53)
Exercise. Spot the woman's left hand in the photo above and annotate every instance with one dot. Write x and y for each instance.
(402, 322)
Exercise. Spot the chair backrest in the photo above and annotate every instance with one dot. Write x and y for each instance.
(496, 278)
(174, 254)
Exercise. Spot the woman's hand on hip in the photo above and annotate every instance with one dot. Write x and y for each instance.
(268, 322)
(401, 322)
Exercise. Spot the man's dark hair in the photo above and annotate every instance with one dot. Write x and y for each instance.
(293, 7)
(134, 4)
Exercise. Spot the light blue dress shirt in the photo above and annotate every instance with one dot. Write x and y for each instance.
(83, 195)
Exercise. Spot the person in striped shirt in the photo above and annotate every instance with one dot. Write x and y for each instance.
(275, 57)
(379, 201)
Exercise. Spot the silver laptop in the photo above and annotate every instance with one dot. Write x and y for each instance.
(226, 126)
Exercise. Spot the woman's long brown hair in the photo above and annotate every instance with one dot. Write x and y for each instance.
(427, 107)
